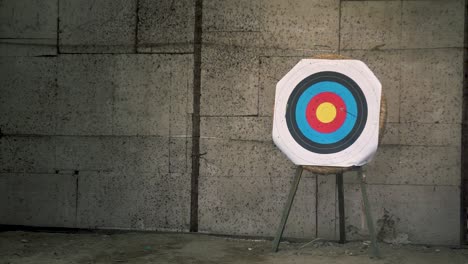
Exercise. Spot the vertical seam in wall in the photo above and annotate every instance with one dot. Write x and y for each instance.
(197, 39)
(58, 27)
(76, 198)
(258, 85)
(339, 27)
(137, 21)
(187, 127)
(316, 205)
(399, 67)
(170, 127)
(464, 137)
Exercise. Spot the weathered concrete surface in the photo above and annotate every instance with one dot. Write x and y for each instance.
(124, 154)
(432, 79)
(244, 181)
(430, 134)
(229, 81)
(402, 213)
(88, 26)
(129, 200)
(38, 199)
(141, 154)
(243, 158)
(327, 215)
(370, 24)
(416, 211)
(180, 155)
(252, 205)
(85, 95)
(27, 154)
(114, 115)
(124, 94)
(28, 89)
(28, 47)
(84, 153)
(25, 19)
(418, 165)
(28, 28)
(311, 25)
(165, 26)
(237, 128)
(432, 24)
(230, 16)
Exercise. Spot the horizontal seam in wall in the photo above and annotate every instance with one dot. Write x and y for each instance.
(96, 136)
(403, 49)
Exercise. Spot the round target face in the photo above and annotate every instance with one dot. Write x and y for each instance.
(327, 113)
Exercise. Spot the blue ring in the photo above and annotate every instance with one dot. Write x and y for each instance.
(351, 109)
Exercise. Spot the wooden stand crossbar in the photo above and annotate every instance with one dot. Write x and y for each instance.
(339, 182)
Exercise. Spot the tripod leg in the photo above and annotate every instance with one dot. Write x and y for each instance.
(339, 183)
(367, 210)
(287, 208)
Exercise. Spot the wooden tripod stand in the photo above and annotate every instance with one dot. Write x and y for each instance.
(339, 182)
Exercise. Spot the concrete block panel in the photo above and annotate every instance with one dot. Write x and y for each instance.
(254, 41)
(27, 154)
(85, 94)
(28, 91)
(84, 153)
(430, 134)
(28, 47)
(425, 214)
(430, 165)
(125, 94)
(152, 95)
(181, 94)
(233, 38)
(419, 165)
(252, 205)
(370, 24)
(386, 66)
(180, 155)
(237, 128)
(229, 81)
(432, 24)
(272, 69)
(384, 168)
(38, 199)
(431, 86)
(327, 207)
(166, 26)
(311, 25)
(142, 99)
(243, 158)
(143, 201)
(391, 134)
(36, 19)
(141, 154)
(243, 15)
(88, 26)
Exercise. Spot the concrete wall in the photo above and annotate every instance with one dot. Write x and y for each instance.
(97, 105)
(96, 127)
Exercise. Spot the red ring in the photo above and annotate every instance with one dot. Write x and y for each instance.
(314, 103)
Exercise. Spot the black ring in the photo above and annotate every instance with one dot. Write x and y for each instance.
(355, 132)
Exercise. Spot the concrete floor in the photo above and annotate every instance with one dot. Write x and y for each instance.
(50, 248)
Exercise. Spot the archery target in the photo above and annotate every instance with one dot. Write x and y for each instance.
(327, 113)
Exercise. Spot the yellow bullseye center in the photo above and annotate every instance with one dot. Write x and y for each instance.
(326, 112)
